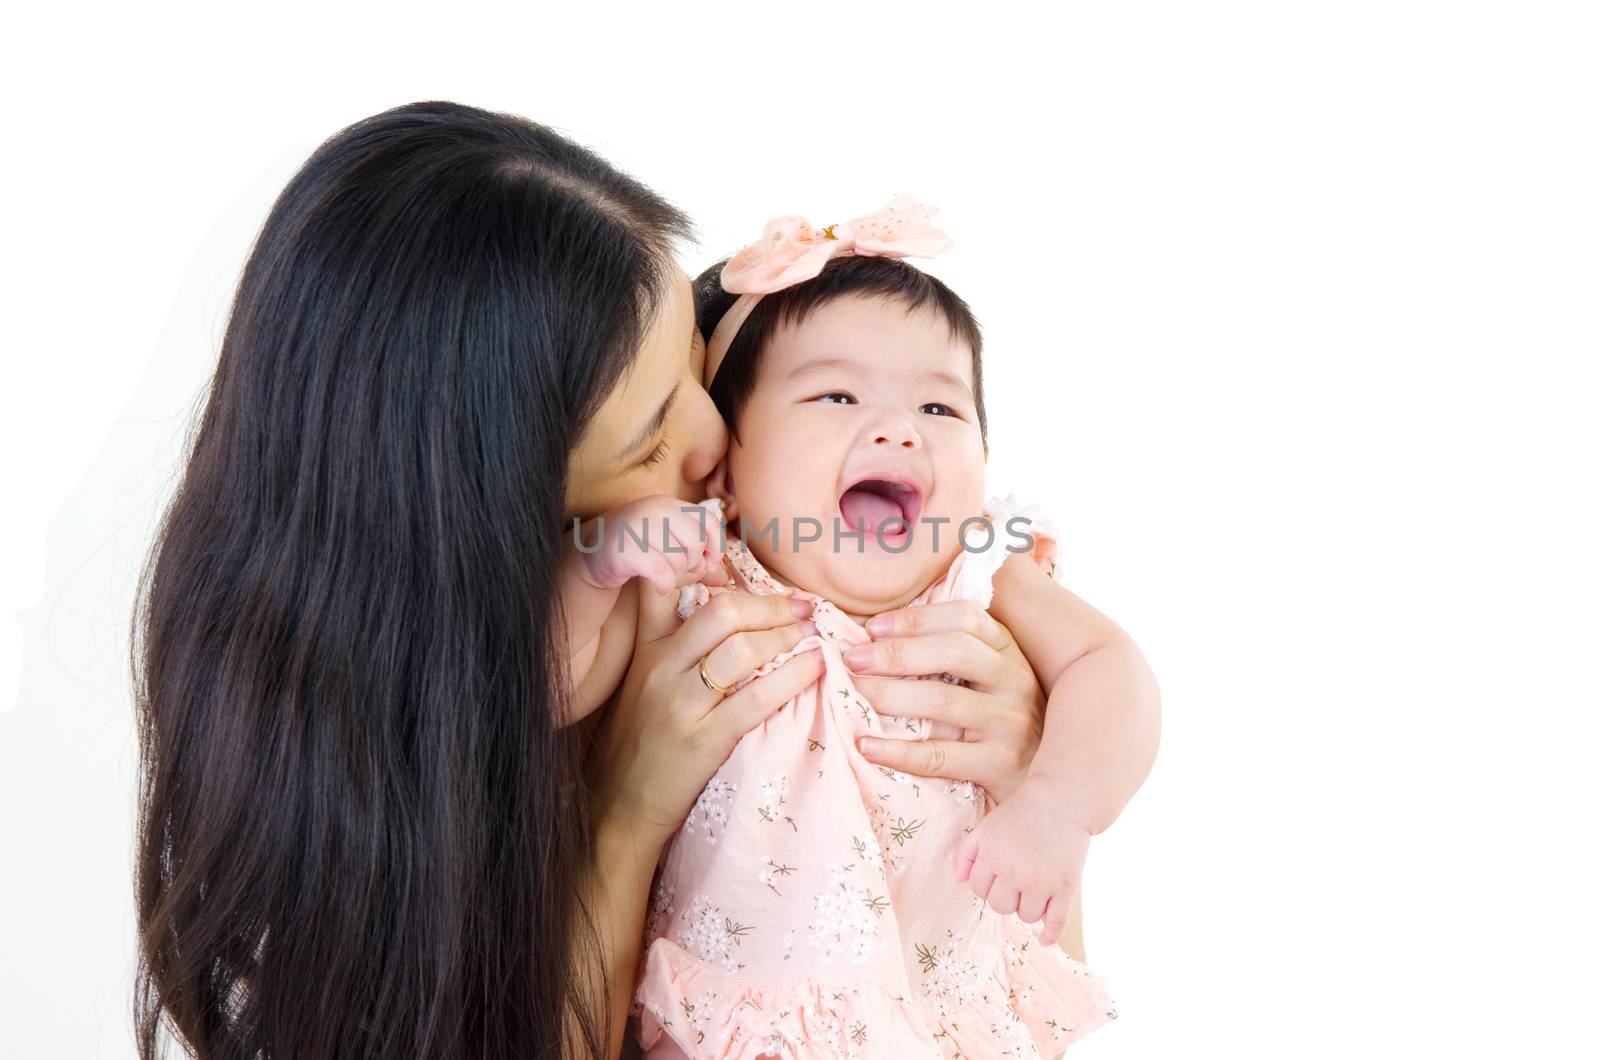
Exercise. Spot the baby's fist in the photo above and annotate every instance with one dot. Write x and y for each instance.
(663, 540)
(1006, 864)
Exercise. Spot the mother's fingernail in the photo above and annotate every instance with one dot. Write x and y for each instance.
(878, 625)
(869, 746)
(858, 658)
(802, 608)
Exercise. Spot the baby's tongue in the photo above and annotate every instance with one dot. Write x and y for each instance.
(859, 506)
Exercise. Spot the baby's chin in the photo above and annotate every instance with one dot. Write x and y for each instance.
(861, 584)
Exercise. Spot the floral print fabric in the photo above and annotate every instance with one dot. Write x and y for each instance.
(808, 906)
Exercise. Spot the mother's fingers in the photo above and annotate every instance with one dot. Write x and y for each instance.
(658, 615)
(950, 616)
(901, 697)
(954, 652)
(949, 759)
(758, 700)
(738, 655)
(728, 613)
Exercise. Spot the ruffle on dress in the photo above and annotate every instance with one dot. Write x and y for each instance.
(799, 838)
(978, 567)
(1022, 1009)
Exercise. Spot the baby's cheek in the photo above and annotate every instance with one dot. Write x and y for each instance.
(959, 458)
(964, 502)
(809, 479)
(813, 455)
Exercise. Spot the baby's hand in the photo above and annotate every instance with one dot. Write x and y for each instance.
(680, 544)
(1026, 858)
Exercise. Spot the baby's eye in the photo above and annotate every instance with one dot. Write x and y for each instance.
(837, 397)
(933, 408)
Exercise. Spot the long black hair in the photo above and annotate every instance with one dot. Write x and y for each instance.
(360, 831)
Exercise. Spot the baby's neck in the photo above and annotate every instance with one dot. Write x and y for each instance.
(861, 618)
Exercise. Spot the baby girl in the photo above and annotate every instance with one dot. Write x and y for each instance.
(814, 904)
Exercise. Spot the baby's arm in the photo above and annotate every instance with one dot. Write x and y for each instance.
(597, 621)
(1103, 717)
(1102, 725)
(671, 543)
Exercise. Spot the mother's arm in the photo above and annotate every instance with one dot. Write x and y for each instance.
(1000, 706)
(660, 741)
(616, 891)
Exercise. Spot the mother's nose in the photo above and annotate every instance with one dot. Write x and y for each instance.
(708, 436)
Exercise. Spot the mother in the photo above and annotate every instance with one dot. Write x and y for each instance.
(362, 831)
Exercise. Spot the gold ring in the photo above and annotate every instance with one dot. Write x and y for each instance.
(705, 679)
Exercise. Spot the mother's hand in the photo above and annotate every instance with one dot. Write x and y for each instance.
(667, 732)
(1000, 710)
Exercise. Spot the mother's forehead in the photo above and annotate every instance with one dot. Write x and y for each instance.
(667, 341)
(648, 385)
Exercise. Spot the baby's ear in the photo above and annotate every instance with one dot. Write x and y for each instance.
(719, 484)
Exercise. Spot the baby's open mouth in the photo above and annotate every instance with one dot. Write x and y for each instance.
(872, 502)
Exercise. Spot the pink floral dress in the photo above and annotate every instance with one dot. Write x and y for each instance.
(808, 907)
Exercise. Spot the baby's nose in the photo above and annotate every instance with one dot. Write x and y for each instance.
(896, 430)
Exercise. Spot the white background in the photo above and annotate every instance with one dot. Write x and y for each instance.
(1292, 320)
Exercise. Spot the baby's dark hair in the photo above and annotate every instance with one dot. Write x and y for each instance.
(888, 278)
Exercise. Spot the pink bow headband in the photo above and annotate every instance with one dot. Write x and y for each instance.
(791, 250)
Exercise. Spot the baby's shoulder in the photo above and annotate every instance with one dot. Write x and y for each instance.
(1023, 532)
(1006, 533)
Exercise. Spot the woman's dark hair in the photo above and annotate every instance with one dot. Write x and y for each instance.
(361, 833)
(851, 274)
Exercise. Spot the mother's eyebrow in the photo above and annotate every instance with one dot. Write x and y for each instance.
(651, 427)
